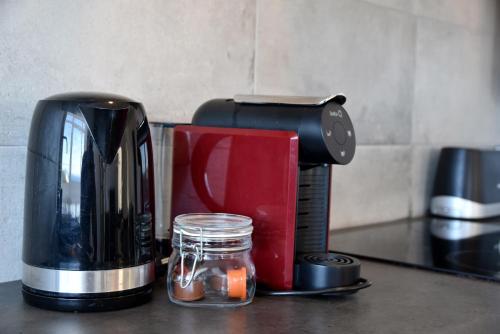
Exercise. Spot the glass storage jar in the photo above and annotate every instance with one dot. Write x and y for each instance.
(211, 263)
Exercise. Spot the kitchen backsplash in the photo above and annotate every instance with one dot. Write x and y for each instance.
(418, 74)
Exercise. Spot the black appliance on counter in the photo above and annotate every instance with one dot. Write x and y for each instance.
(466, 187)
(89, 204)
(467, 184)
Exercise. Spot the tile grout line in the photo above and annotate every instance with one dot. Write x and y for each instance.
(412, 12)
(383, 145)
(411, 180)
(385, 7)
(254, 58)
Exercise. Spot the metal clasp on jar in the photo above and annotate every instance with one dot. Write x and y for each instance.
(198, 256)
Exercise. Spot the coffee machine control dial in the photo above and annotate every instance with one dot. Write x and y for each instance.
(338, 133)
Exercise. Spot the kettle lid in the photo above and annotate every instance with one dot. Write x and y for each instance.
(88, 97)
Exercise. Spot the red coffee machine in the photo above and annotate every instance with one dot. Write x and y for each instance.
(270, 158)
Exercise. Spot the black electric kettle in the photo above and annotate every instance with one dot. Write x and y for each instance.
(89, 204)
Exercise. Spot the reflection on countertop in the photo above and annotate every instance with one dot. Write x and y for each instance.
(401, 300)
(467, 248)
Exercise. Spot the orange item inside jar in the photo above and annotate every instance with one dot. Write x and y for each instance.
(237, 283)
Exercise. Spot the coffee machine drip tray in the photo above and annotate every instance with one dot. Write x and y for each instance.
(465, 248)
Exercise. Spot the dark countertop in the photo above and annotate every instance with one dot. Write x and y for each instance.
(401, 300)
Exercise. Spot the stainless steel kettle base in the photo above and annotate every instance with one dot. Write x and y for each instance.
(91, 302)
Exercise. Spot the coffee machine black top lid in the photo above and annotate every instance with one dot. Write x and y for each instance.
(325, 130)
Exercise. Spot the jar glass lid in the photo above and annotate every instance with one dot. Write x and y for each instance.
(213, 225)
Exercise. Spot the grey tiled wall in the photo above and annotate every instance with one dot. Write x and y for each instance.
(418, 74)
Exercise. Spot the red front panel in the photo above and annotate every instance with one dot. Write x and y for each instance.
(247, 172)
